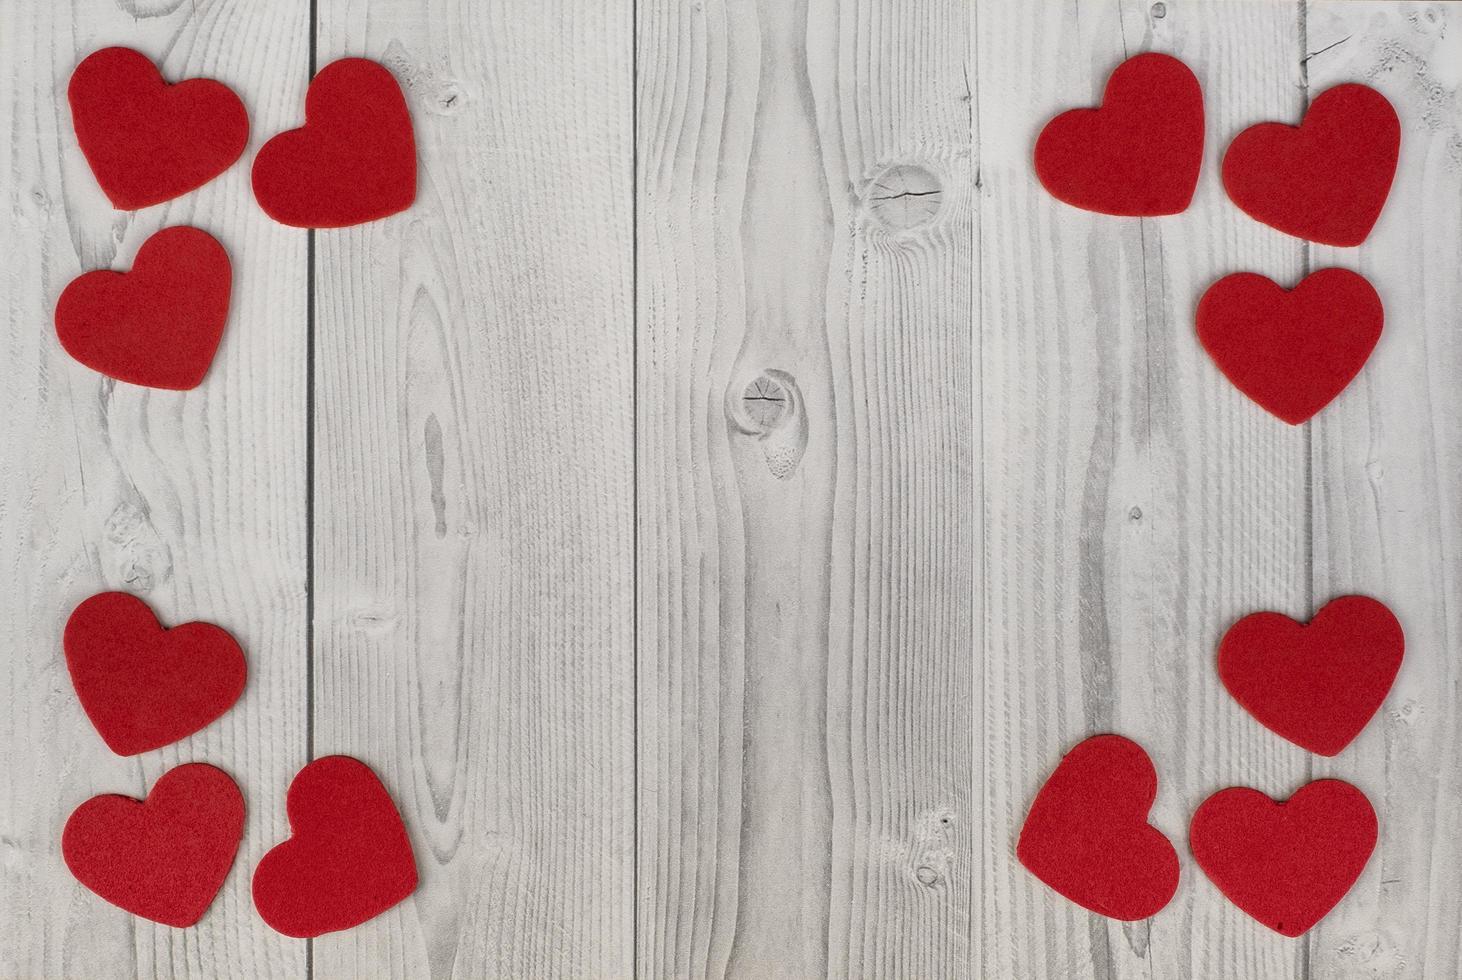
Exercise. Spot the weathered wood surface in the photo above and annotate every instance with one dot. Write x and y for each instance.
(1136, 503)
(474, 543)
(727, 492)
(194, 500)
(808, 489)
(1388, 495)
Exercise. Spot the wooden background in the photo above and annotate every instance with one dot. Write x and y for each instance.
(718, 503)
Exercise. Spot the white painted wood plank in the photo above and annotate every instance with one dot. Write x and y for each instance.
(194, 501)
(1387, 502)
(474, 550)
(1136, 503)
(808, 489)
(474, 477)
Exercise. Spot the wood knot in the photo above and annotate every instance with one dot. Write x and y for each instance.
(1159, 10)
(764, 401)
(132, 550)
(449, 99)
(904, 197)
(770, 408)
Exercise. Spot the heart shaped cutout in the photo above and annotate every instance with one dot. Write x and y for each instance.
(1087, 834)
(1139, 153)
(1285, 864)
(158, 325)
(1325, 180)
(143, 686)
(349, 859)
(163, 858)
(1291, 351)
(148, 141)
(354, 160)
(1316, 684)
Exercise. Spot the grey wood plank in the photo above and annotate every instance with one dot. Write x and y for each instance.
(1136, 503)
(195, 501)
(808, 489)
(821, 792)
(1387, 506)
(474, 550)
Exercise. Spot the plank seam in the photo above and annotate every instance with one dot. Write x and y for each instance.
(310, 475)
(978, 887)
(634, 111)
(1306, 264)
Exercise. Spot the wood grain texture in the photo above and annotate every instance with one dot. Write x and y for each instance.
(1136, 504)
(1387, 458)
(808, 489)
(473, 491)
(932, 481)
(194, 501)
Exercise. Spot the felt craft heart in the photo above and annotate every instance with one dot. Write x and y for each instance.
(1285, 864)
(142, 686)
(148, 141)
(1087, 834)
(163, 858)
(1291, 351)
(354, 160)
(1326, 179)
(158, 325)
(1316, 684)
(1139, 153)
(349, 859)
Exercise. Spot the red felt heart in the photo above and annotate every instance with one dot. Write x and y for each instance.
(142, 686)
(1327, 178)
(148, 141)
(165, 857)
(1087, 834)
(158, 325)
(354, 159)
(349, 859)
(1285, 864)
(1317, 684)
(1291, 351)
(1139, 153)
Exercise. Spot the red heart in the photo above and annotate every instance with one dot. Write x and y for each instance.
(1087, 834)
(1285, 864)
(1317, 684)
(158, 325)
(148, 141)
(1327, 178)
(1139, 153)
(349, 859)
(354, 159)
(165, 857)
(1291, 351)
(144, 687)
